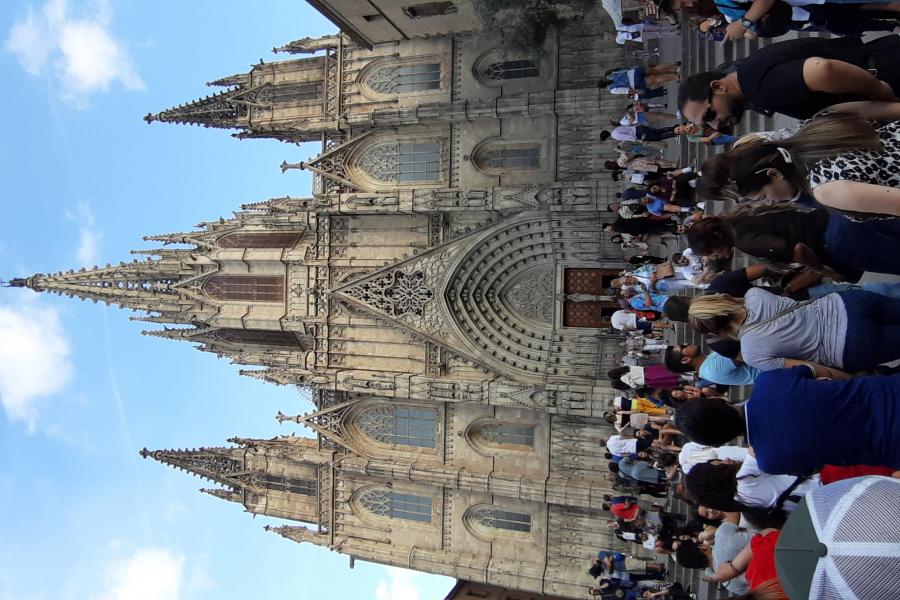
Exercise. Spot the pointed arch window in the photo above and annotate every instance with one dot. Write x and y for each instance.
(512, 159)
(290, 93)
(404, 79)
(278, 483)
(489, 517)
(249, 288)
(403, 162)
(498, 156)
(260, 239)
(511, 69)
(401, 425)
(502, 433)
(397, 505)
(258, 337)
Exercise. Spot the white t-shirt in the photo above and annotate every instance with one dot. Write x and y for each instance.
(622, 319)
(693, 453)
(620, 446)
(756, 488)
(624, 133)
(634, 378)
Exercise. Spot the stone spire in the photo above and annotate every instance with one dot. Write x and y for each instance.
(225, 466)
(218, 110)
(309, 45)
(149, 285)
(223, 494)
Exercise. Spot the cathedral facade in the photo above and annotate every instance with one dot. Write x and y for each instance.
(444, 290)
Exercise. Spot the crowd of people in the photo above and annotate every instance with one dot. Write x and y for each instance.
(817, 206)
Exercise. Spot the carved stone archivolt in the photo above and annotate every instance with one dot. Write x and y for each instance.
(532, 295)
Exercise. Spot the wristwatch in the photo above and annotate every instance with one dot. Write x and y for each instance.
(748, 24)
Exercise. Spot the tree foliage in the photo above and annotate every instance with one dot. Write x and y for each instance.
(525, 23)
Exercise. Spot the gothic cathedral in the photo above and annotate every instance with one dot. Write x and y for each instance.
(443, 290)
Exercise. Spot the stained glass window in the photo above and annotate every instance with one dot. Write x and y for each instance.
(303, 487)
(403, 425)
(512, 69)
(397, 505)
(250, 288)
(290, 93)
(493, 518)
(403, 162)
(405, 79)
(258, 336)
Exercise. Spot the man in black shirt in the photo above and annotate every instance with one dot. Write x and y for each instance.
(797, 78)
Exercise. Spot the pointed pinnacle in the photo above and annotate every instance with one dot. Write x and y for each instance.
(281, 418)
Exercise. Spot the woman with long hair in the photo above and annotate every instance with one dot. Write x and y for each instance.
(846, 331)
(784, 233)
(840, 159)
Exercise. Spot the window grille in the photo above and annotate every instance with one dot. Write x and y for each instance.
(403, 162)
(493, 518)
(405, 426)
(404, 79)
(512, 69)
(250, 288)
(397, 505)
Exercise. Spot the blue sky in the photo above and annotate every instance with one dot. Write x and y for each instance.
(82, 179)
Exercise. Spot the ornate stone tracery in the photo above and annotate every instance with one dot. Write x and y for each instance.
(397, 293)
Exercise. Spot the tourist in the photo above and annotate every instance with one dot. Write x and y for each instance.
(633, 133)
(797, 78)
(844, 423)
(645, 300)
(623, 507)
(637, 80)
(626, 446)
(728, 541)
(640, 163)
(641, 470)
(685, 358)
(745, 487)
(843, 332)
(839, 159)
(704, 134)
(829, 244)
(693, 454)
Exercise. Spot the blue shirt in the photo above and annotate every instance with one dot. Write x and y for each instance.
(724, 371)
(657, 206)
(637, 302)
(796, 423)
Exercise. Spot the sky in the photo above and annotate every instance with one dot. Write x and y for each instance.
(82, 179)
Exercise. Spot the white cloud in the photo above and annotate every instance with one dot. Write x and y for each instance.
(34, 358)
(148, 574)
(400, 586)
(81, 51)
(89, 238)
